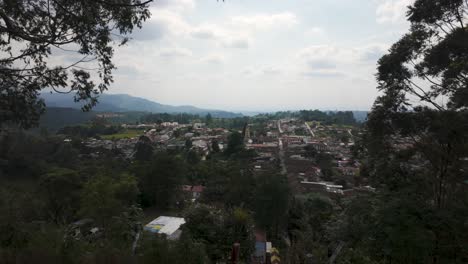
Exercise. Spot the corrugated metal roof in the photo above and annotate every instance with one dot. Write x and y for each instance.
(165, 225)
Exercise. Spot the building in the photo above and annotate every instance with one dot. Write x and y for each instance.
(167, 225)
(195, 191)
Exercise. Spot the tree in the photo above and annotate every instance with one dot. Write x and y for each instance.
(60, 189)
(193, 157)
(31, 32)
(205, 226)
(188, 144)
(215, 146)
(310, 151)
(417, 136)
(208, 119)
(271, 202)
(160, 181)
(239, 228)
(235, 143)
(143, 149)
(157, 249)
(325, 162)
(307, 223)
(105, 197)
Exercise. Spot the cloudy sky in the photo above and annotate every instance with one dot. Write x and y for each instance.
(260, 55)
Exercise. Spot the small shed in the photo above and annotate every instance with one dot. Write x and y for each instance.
(167, 225)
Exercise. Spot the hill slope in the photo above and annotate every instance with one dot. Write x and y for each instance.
(127, 103)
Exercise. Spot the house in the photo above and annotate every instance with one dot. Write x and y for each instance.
(195, 191)
(167, 225)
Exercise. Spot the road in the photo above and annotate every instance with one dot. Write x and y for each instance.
(281, 150)
(310, 130)
(279, 127)
(281, 157)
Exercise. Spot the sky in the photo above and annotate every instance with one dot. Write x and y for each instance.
(260, 55)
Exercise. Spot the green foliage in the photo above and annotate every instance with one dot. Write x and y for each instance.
(308, 219)
(208, 119)
(218, 230)
(205, 226)
(127, 133)
(61, 191)
(54, 118)
(105, 197)
(143, 149)
(339, 118)
(271, 203)
(155, 249)
(235, 143)
(215, 146)
(37, 26)
(94, 129)
(160, 180)
(238, 226)
(325, 162)
(415, 144)
(229, 183)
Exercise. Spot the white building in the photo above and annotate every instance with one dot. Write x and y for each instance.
(167, 225)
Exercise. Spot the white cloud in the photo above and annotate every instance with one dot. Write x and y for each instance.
(335, 61)
(175, 52)
(314, 31)
(392, 11)
(214, 58)
(329, 56)
(204, 33)
(239, 31)
(321, 63)
(238, 43)
(174, 5)
(372, 52)
(260, 52)
(324, 73)
(162, 24)
(265, 21)
(324, 54)
(271, 70)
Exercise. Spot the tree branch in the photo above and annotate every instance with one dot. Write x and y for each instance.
(125, 5)
(425, 97)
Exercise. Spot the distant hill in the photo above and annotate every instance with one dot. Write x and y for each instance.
(57, 117)
(127, 103)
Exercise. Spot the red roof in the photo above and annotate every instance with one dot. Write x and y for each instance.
(198, 188)
(195, 188)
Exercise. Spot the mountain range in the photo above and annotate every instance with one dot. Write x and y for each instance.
(128, 103)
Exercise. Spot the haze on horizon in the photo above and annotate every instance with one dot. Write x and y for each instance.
(249, 55)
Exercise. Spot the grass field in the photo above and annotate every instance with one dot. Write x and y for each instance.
(128, 133)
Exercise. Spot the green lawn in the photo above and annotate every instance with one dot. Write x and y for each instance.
(128, 133)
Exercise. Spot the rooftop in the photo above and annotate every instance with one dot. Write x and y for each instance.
(165, 225)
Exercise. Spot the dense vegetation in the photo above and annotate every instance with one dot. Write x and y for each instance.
(50, 187)
(63, 202)
(415, 149)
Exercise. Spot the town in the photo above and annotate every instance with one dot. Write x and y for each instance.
(241, 132)
(314, 156)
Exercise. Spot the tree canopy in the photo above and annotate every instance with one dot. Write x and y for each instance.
(31, 32)
(416, 143)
